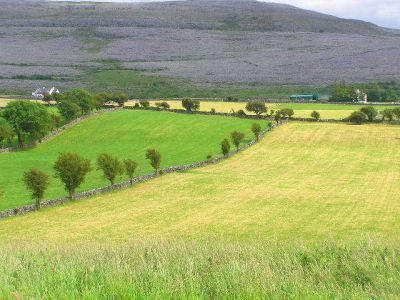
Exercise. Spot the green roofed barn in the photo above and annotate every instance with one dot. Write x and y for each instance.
(304, 97)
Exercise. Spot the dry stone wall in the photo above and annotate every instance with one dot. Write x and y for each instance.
(83, 195)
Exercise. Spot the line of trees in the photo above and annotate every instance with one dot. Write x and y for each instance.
(28, 121)
(371, 114)
(72, 169)
(377, 92)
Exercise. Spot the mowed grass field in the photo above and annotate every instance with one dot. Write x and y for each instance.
(305, 181)
(301, 110)
(181, 139)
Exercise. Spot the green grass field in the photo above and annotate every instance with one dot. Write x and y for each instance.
(302, 110)
(180, 138)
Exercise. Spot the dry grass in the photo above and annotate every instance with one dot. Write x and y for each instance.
(308, 182)
(327, 111)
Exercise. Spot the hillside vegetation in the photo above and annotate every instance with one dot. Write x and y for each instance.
(181, 139)
(304, 181)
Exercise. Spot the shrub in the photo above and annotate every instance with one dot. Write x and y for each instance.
(387, 114)
(286, 112)
(209, 156)
(358, 117)
(144, 103)
(69, 110)
(241, 113)
(163, 105)
(37, 182)
(225, 147)
(278, 117)
(71, 169)
(190, 104)
(316, 115)
(213, 110)
(82, 98)
(370, 112)
(137, 105)
(155, 159)
(111, 166)
(396, 112)
(257, 107)
(256, 129)
(6, 131)
(130, 168)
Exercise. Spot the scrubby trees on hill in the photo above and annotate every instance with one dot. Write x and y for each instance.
(28, 120)
(111, 166)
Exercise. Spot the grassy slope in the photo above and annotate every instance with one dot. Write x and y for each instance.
(180, 138)
(302, 110)
(306, 182)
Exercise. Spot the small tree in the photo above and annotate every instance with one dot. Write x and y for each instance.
(256, 129)
(111, 166)
(387, 114)
(69, 110)
(6, 131)
(225, 147)
(155, 159)
(370, 112)
(71, 169)
(358, 117)
(287, 112)
(316, 115)
(190, 104)
(396, 112)
(130, 168)
(257, 107)
(119, 98)
(278, 117)
(37, 182)
(237, 138)
(163, 105)
(144, 103)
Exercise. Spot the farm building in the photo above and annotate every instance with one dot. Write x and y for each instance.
(41, 92)
(304, 97)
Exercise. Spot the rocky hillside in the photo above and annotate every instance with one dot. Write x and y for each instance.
(248, 15)
(243, 43)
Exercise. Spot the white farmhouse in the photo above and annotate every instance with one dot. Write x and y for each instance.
(41, 92)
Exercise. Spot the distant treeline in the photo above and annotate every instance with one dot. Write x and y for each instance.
(377, 92)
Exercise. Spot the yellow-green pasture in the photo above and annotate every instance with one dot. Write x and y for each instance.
(301, 110)
(5, 101)
(304, 182)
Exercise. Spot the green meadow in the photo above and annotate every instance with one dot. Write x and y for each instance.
(181, 139)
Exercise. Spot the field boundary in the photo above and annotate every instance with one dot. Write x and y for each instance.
(57, 131)
(126, 184)
(235, 115)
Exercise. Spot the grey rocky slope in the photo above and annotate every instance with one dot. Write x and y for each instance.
(208, 41)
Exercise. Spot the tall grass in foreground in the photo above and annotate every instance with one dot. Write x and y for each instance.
(197, 270)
